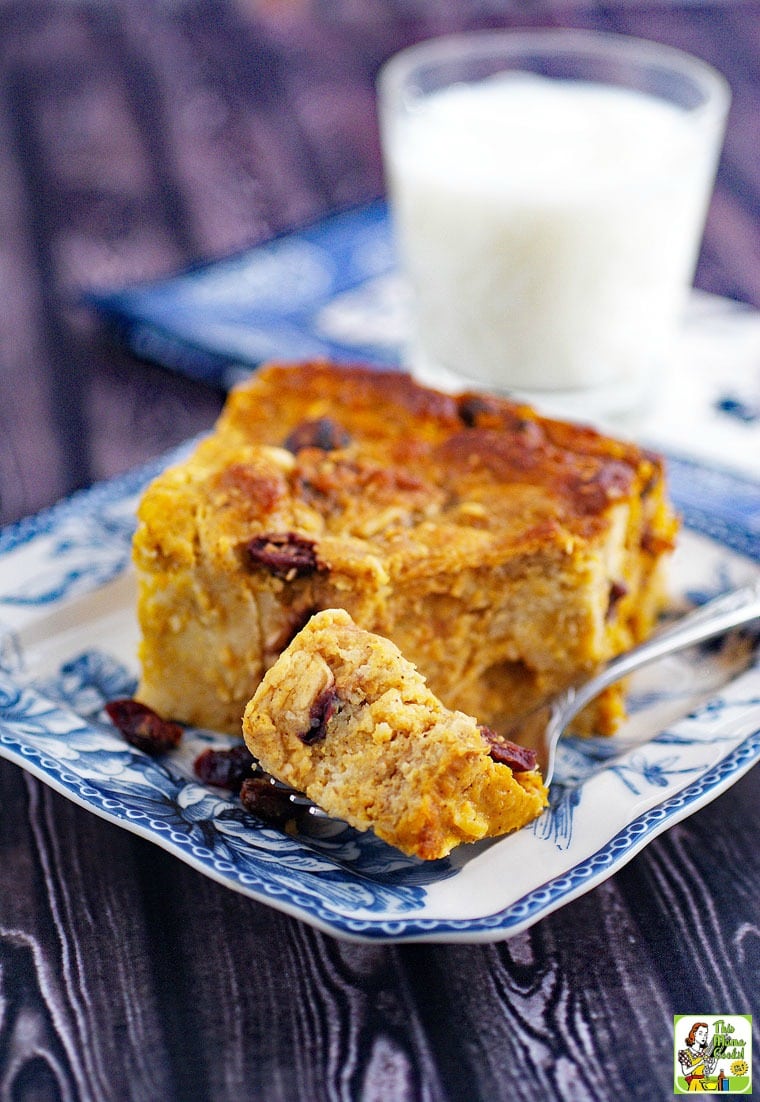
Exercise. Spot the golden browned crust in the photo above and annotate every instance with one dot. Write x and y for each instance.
(343, 717)
(504, 553)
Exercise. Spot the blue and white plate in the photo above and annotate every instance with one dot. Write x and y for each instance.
(67, 644)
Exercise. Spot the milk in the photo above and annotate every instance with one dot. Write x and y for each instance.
(549, 228)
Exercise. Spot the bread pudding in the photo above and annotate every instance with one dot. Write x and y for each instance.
(345, 718)
(505, 554)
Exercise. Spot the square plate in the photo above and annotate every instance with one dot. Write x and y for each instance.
(68, 638)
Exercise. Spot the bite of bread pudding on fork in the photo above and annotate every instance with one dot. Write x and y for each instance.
(343, 717)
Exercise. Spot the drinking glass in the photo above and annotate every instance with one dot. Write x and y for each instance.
(548, 192)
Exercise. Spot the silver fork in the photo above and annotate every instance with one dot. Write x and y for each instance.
(542, 729)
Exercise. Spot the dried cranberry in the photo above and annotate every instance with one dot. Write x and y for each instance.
(264, 800)
(618, 590)
(322, 433)
(473, 406)
(519, 758)
(320, 714)
(224, 768)
(283, 554)
(655, 544)
(609, 481)
(142, 727)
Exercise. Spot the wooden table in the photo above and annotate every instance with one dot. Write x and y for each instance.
(137, 138)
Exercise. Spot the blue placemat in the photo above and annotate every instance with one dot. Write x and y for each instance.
(327, 290)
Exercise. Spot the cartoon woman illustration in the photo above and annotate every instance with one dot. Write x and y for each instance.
(697, 1058)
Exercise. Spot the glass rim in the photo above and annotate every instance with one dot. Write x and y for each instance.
(510, 43)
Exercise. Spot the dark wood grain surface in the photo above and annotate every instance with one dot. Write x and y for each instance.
(137, 137)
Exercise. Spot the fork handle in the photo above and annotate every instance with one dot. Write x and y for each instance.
(731, 610)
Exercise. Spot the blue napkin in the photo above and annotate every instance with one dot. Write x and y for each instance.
(328, 290)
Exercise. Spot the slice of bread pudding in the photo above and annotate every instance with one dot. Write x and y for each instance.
(505, 554)
(343, 717)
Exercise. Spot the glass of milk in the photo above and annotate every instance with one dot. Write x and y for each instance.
(548, 191)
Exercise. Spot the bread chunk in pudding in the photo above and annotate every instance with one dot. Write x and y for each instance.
(504, 553)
